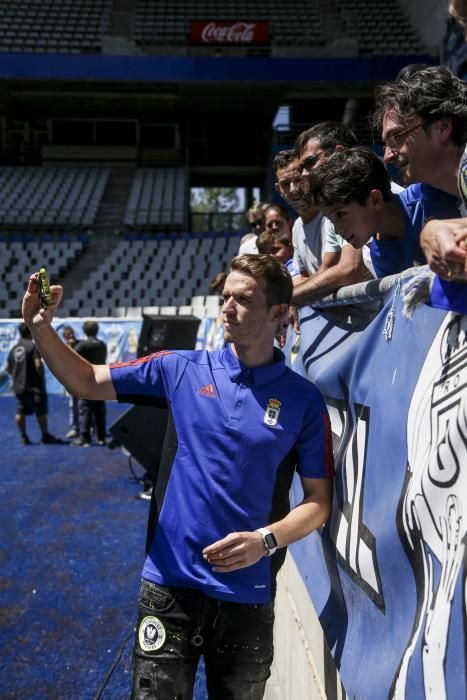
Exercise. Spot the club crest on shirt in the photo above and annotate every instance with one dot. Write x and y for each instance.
(271, 415)
(151, 634)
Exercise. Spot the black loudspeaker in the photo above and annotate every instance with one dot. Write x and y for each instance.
(167, 333)
(141, 431)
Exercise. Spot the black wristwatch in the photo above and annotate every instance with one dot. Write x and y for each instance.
(269, 540)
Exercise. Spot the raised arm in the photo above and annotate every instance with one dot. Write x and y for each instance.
(79, 377)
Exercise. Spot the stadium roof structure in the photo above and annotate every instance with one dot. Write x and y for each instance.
(194, 83)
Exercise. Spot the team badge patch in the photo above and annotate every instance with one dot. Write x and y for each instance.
(273, 409)
(151, 635)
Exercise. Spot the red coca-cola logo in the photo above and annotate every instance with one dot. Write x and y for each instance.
(216, 32)
(240, 32)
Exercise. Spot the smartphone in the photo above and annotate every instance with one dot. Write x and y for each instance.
(43, 287)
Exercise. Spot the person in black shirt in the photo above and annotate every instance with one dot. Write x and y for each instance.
(24, 364)
(94, 351)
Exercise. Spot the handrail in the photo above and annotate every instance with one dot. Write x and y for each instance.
(364, 292)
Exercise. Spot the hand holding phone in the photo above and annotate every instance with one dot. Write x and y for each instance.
(43, 288)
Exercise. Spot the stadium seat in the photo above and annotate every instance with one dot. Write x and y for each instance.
(118, 311)
(157, 199)
(168, 310)
(185, 310)
(62, 26)
(134, 312)
(50, 198)
(375, 26)
(165, 24)
(151, 310)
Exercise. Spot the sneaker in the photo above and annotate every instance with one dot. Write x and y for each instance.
(48, 439)
(101, 442)
(80, 442)
(25, 440)
(145, 495)
(73, 433)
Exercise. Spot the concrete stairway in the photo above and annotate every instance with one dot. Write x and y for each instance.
(333, 27)
(108, 223)
(109, 218)
(119, 40)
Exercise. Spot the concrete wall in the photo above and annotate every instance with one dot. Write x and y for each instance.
(302, 665)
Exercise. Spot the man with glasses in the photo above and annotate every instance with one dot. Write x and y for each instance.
(324, 260)
(423, 120)
(314, 146)
(313, 250)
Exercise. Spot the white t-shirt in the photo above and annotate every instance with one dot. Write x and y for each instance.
(249, 245)
(367, 261)
(311, 241)
(395, 188)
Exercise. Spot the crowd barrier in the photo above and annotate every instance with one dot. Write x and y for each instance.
(386, 575)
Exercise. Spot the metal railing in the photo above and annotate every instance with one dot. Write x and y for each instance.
(362, 292)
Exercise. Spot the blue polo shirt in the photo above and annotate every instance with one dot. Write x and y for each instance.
(240, 433)
(419, 203)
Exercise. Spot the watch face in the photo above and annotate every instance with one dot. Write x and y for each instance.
(270, 540)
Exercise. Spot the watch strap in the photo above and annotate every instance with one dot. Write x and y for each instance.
(269, 540)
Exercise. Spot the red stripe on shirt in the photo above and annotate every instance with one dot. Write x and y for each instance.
(140, 360)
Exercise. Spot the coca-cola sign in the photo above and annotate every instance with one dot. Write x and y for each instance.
(228, 32)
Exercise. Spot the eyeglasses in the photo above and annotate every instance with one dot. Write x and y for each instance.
(309, 162)
(253, 224)
(397, 139)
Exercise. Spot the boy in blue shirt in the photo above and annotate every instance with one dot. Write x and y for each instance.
(353, 190)
(282, 248)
